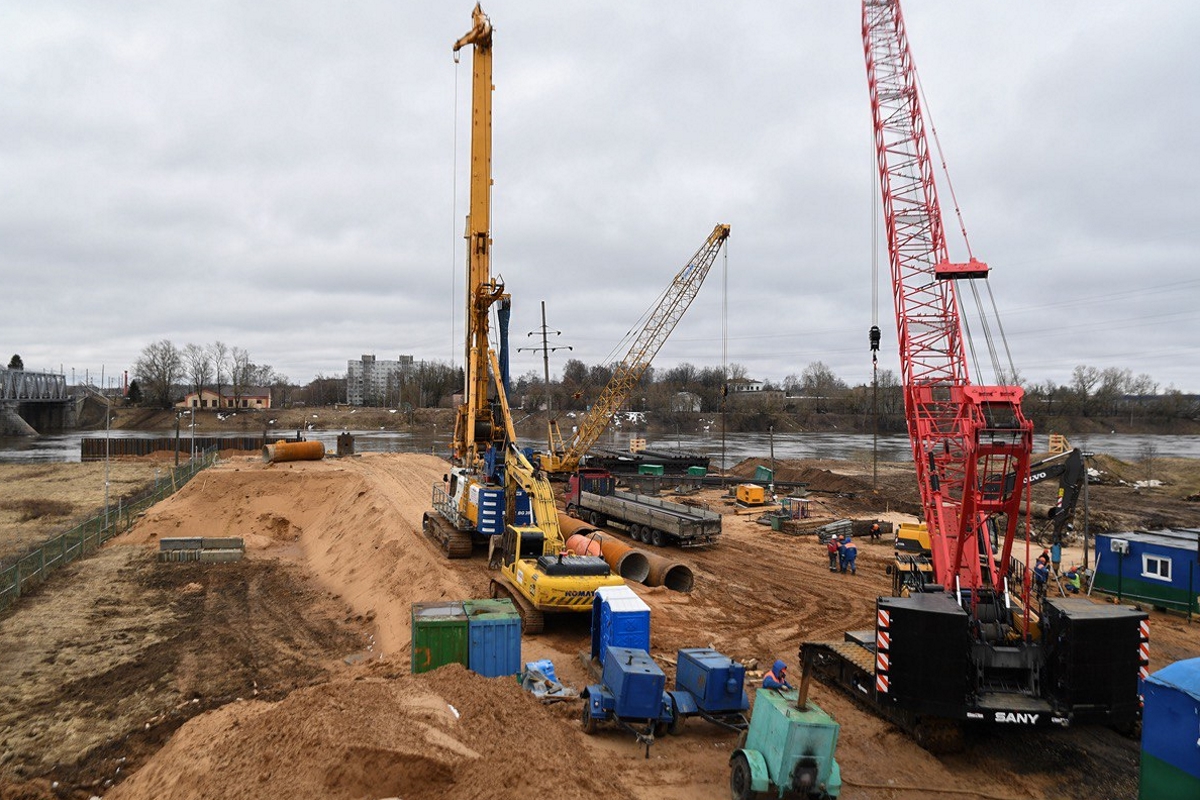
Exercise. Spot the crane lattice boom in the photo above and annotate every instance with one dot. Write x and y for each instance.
(962, 435)
(665, 315)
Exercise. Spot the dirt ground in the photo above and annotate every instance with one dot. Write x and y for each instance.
(41, 500)
(287, 674)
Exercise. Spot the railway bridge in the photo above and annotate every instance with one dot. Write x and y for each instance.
(34, 402)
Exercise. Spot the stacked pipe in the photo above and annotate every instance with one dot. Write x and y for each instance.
(628, 562)
(292, 451)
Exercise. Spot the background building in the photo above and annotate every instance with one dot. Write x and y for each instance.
(371, 382)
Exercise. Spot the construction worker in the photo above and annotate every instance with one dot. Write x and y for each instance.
(833, 553)
(777, 677)
(876, 531)
(849, 554)
(1041, 574)
(1074, 580)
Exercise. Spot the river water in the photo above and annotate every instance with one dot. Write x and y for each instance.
(734, 448)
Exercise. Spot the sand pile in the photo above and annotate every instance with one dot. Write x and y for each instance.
(377, 733)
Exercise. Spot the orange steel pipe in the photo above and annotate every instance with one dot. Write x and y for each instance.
(571, 526)
(674, 575)
(292, 451)
(583, 545)
(624, 560)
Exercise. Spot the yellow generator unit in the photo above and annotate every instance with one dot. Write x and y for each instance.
(751, 494)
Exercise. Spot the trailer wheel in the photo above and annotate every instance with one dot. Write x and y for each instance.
(589, 722)
(739, 778)
(594, 519)
(658, 538)
(635, 532)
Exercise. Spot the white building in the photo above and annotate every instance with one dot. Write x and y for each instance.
(371, 382)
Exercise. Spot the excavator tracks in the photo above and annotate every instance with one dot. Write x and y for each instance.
(532, 620)
(455, 543)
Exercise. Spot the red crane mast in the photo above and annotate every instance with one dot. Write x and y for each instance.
(963, 435)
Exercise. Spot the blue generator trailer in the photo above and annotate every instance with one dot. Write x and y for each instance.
(632, 694)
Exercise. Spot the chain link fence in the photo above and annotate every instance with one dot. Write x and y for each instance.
(31, 569)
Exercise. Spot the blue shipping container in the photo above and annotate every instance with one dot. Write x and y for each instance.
(619, 618)
(494, 634)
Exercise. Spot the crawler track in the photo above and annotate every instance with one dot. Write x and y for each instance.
(455, 543)
(532, 620)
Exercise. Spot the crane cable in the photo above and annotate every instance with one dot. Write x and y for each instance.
(453, 219)
(1002, 376)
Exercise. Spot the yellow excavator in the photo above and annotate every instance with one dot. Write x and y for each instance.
(493, 494)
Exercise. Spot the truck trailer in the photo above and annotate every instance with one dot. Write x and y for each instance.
(592, 496)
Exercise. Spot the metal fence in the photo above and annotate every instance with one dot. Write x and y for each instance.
(32, 568)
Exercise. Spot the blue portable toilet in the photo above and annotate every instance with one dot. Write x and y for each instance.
(619, 618)
(1170, 763)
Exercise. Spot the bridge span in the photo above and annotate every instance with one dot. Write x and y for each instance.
(34, 402)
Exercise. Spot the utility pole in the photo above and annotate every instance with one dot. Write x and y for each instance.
(546, 350)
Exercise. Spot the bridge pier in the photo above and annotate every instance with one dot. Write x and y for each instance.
(34, 401)
(12, 423)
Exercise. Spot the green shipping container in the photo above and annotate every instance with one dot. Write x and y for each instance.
(763, 474)
(650, 469)
(439, 635)
(697, 472)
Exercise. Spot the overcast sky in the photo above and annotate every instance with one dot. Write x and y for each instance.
(291, 178)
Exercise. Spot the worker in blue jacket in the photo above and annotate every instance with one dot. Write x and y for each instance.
(777, 677)
(1041, 574)
(849, 553)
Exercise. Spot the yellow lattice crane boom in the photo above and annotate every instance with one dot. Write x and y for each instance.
(667, 311)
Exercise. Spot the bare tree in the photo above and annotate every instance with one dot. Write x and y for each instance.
(220, 361)
(1083, 379)
(158, 369)
(241, 375)
(198, 363)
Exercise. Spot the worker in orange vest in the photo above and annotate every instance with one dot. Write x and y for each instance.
(777, 677)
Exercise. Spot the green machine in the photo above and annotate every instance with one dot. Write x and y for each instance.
(788, 749)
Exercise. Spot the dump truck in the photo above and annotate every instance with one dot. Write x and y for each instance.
(592, 496)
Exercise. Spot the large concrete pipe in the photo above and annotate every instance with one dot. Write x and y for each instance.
(674, 575)
(624, 560)
(292, 451)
